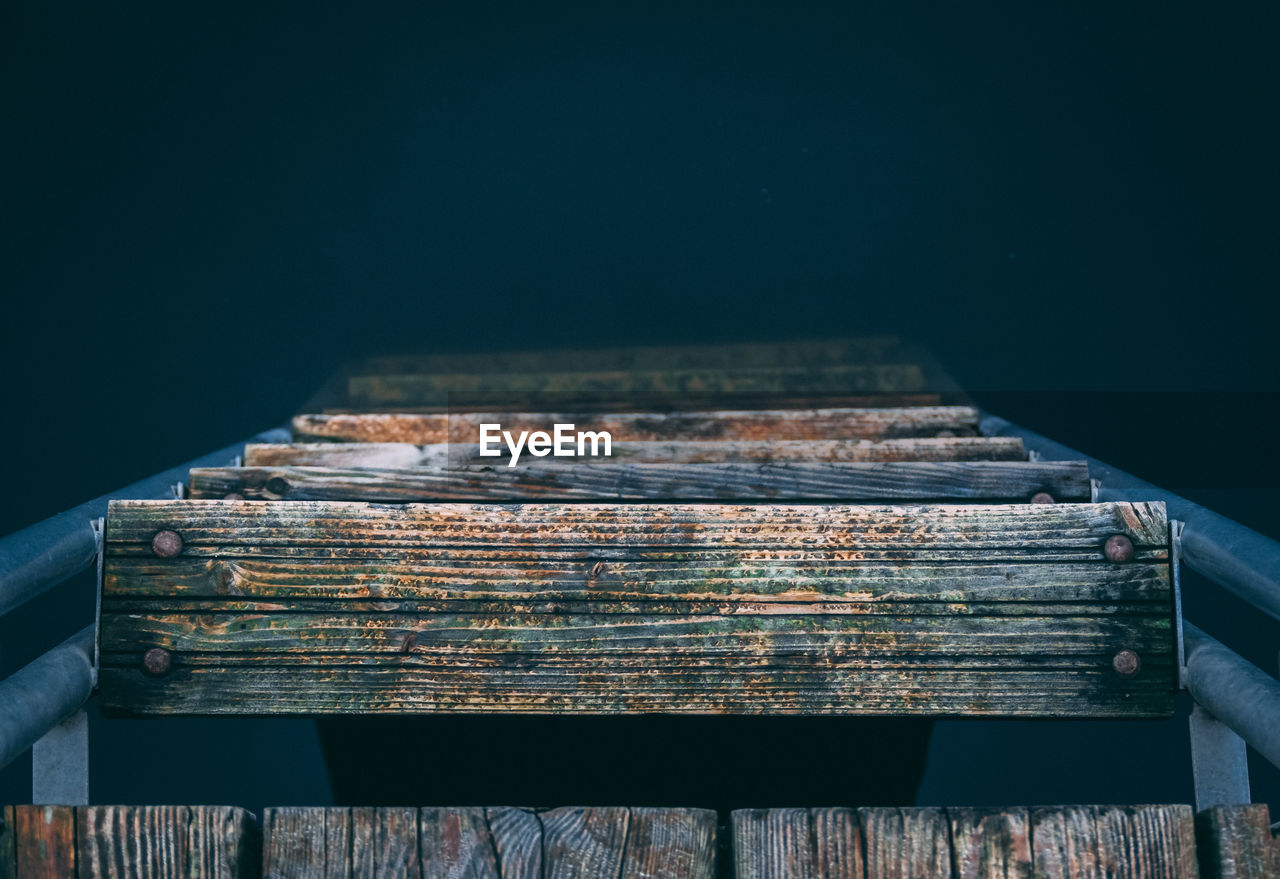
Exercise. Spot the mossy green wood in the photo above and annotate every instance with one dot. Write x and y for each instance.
(338, 607)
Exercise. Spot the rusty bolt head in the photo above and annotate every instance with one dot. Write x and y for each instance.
(167, 544)
(233, 496)
(1042, 497)
(156, 661)
(1118, 548)
(277, 485)
(1126, 663)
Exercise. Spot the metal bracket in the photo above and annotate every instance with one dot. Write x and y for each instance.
(60, 758)
(1219, 762)
(1175, 561)
(60, 764)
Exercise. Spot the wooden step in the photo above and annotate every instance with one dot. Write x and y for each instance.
(406, 456)
(333, 607)
(716, 424)
(990, 481)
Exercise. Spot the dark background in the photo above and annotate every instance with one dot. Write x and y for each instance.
(206, 209)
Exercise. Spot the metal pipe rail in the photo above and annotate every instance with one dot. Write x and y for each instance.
(39, 557)
(45, 692)
(1230, 554)
(1235, 691)
(1244, 699)
(52, 688)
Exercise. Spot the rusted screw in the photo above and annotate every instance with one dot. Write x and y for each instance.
(167, 544)
(1118, 548)
(1126, 663)
(1042, 497)
(277, 485)
(597, 569)
(156, 661)
(233, 496)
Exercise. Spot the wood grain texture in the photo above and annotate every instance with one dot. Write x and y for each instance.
(406, 456)
(1147, 842)
(797, 844)
(315, 608)
(744, 424)
(44, 841)
(990, 843)
(1235, 842)
(494, 843)
(906, 843)
(8, 865)
(1065, 843)
(1066, 481)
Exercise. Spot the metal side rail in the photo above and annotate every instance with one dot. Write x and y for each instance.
(1236, 703)
(41, 704)
(1230, 554)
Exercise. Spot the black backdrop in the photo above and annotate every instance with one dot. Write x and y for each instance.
(205, 209)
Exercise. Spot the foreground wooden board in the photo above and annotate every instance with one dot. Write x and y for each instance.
(489, 843)
(129, 842)
(332, 607)
(743, 424)
(569, 479)
(1080, 842)
(403, 456)
(1236, 843)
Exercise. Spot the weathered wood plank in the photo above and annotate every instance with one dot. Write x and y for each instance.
(1065, 843)
(405, 456)
(813, 353)
(797, 844)
(456, 843)
(906, 843)
(990, 843)
(439, 388)
(344, 607)
(1147, 842)
(133, 842)
(491, 843)
(670, 842)
(758, 424)
(517, 840)
(964, 480)
(583, 843)
(1235, 842)
(44, 841)
(8, 866)
(294, 844)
